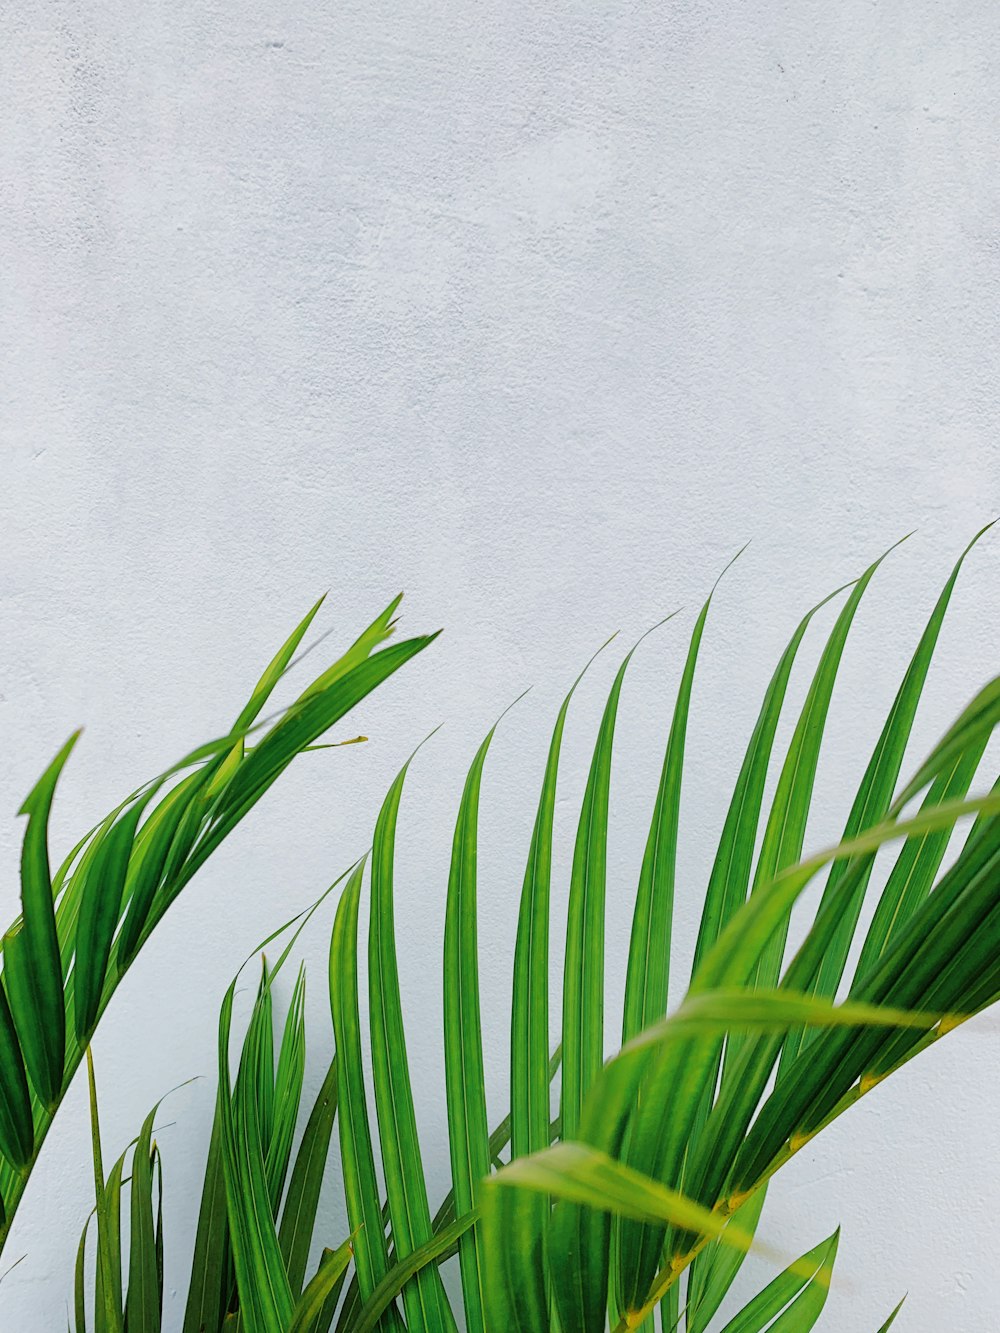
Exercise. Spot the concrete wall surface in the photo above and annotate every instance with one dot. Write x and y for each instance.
(539, 312)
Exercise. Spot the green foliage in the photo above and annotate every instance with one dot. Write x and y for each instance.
(80, 930)
(635, 1204)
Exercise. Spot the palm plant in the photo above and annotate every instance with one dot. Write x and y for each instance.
(616, 1194)
(80, 930)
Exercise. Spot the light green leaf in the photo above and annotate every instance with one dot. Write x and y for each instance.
(361, 1190)
(424, 1301)
(791, 1303)
(892, 1318)
(465, 1090)
(326, 1282)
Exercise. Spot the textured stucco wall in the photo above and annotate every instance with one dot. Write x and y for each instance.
(538, 311)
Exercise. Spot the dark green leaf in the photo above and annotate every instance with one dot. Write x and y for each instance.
(298, 1217)
(32, 967)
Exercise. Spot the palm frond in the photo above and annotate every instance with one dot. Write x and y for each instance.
(80, 930)
(637, 1202)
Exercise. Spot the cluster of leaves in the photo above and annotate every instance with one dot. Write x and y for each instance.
(80, 930)
(616, 1194)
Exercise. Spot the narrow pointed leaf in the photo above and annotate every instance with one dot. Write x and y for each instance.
(361, 1191)
(80, 1280)
(108, 1314)
(361, 649)
(17, 1136)
(326, 1283)
(265, 1296)
(785, 831)
(303, 725)
(441, 1246)
(874, 798)
(918, 862)
(581, 1293)
(287, 1093)
(33, 968)
(659, 1149)
(298, 1216)
(468, 1129)
(160, 843)
(583, 990)
(892, 1318)
(275, 669)
(100, 910)
(424, 1301)
(714, 1270)
(142, 1306)
(530, 1071)
(791, 1303)
(648, 973)
(207, 1286)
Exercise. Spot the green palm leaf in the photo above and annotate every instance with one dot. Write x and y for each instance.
(143, 1304)
(208, 1287)
(530, 1069)
(791, 1303)
(316, 1298)
(298, 1217)
(361, 1189)
(874, 796)
(424, 1301)
(32, 967)
(892, 1318)
(465, 1088)
(661, 1150)
(266, 1299)
(714, 1269)
(581, 1294)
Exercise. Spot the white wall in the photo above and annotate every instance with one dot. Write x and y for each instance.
(538, 312)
